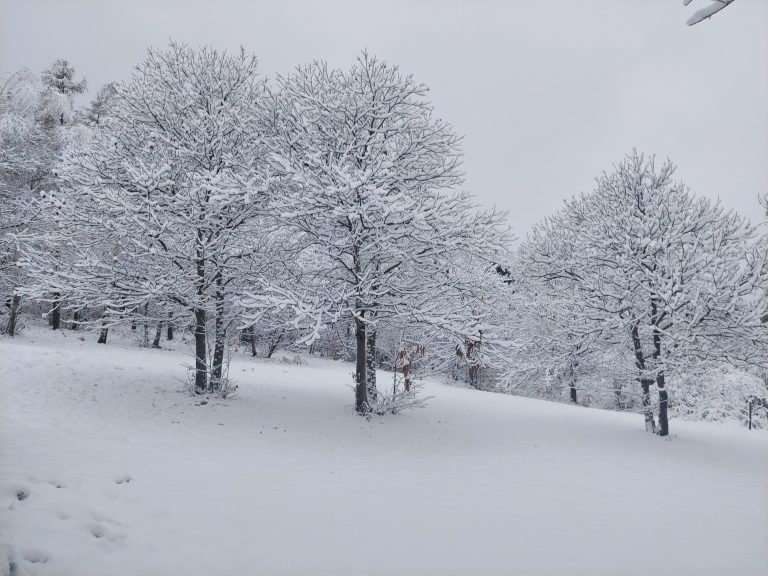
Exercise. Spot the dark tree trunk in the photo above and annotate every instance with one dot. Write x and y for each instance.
(370, 363)
(56, 313)
(660, 383)
(158, 335)
(572, 381)
(361, 383)
(252, 340)
(75, 319)
(103, 335)
(201, 370)
(145, 327)
(201, 319)
(663, 402)
(169, 336)
(220, 335)
(13, 318)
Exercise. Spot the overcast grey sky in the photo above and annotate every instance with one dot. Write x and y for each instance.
(548, 93)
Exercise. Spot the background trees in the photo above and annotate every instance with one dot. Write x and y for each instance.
(676, 278)
(36, 117)
(328, 211)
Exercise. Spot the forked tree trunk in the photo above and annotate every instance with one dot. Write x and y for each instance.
(361, 383)
(13, 318)
(645, 383)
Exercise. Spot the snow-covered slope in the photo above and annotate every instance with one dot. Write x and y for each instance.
(108, 468)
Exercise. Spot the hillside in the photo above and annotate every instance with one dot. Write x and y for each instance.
(107, 467)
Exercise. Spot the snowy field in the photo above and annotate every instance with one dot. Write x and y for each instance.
(108, 468)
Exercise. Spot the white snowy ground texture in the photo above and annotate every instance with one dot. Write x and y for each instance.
(107, 467)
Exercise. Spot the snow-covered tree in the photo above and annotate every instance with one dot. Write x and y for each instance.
(367, 179)
(161, 205)
(100, 108)
(677, 278)
(60, 89)
(36, 114)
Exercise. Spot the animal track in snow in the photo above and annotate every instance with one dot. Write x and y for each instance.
(100, 532)
(123, 479)
(35, 556)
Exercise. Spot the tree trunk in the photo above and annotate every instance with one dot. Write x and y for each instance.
(572, 381)
(145, 326)
(201, 319)
(158, 335)
(201, 371)
(361, 383)
(220, 335)
(103, 335)
(252, 339)
(650, 424)
(663, 402)
(12, 319)
(275, 343)
(75, 320)
(645, 383)
(657, 317)
(56, 312)
(370, 364)
(169, 336)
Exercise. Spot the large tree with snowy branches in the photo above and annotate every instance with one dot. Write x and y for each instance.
(675, 277)
(368, 179)
(161, 205)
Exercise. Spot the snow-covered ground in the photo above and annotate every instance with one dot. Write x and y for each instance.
(108, 468)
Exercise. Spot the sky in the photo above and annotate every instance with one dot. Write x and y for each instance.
(547, 93)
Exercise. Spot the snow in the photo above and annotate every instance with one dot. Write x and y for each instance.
(108, 467)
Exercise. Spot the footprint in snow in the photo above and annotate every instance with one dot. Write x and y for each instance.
(100, 532)
(35, 556)
(124, 479)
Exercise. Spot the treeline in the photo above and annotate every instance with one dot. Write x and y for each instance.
(325, 208)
